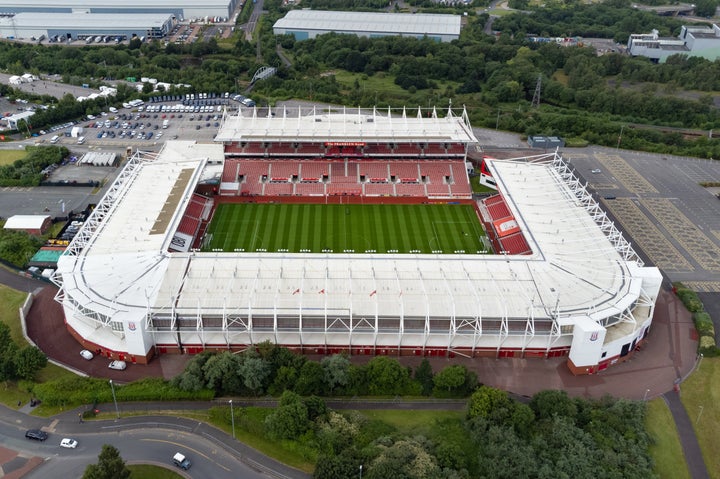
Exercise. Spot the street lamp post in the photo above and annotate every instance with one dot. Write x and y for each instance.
(360, 471)
(646, 393)
(117, 411)
(232, 418)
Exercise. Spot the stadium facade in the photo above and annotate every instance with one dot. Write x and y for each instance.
(305, 24)
(135, 281)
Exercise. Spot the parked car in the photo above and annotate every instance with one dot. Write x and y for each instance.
(86, 354)
(68, 443)
(181, 461)
(117, 365)
(36, 434)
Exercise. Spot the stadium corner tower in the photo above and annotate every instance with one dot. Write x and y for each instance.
(557, 278)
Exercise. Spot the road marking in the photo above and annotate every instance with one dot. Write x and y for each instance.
(186, 447)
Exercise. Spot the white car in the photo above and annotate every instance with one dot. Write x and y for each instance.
(118, 365)
(86, 354)
(596, 170)
(68, 443)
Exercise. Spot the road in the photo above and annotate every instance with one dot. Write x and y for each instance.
(140, 440)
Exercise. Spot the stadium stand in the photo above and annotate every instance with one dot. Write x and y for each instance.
(379, 189)
(286, 169)
(281, 149)
(404, 170)
(310, 189)
(313, 170)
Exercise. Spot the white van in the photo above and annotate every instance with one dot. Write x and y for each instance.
(112, 109)
(54, 139)
(81, 140)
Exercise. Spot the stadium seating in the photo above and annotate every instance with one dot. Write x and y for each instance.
(374, 169)
(403, 169)
(435, 149)
(309, 189)
(407, 149)
(314, 169)
(286, 169)
(289, 169)
(278, 188)
(410, 189)
(281, 149)
(311, 149)
(379, 189)
(383, 150)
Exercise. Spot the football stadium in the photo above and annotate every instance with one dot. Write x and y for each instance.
(353, 232)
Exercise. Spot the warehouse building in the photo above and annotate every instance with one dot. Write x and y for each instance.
(304, 24)
(179, 8)
(693, 41)
(98, 27)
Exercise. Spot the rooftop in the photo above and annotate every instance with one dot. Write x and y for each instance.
(374, 22)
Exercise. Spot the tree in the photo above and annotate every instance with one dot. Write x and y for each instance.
(386, 376)
(109, 466)
(28, 361)
(336, 369)
(8, 350)
(311, 379)
(255, 373)
(489, 403)
(424, 375)
(290, 418)
(449, 379)
(193, 377)
(221, 372)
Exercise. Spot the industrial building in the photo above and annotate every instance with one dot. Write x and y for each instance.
(182, 9)
(304, 24)
(92, 27)
(693, 41)
(563, 281)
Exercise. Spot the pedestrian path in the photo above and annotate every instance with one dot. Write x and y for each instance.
(688, 439)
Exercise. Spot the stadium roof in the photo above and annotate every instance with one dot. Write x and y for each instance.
(371, 22)
(51, 21)
(351, 126)
(118, 265)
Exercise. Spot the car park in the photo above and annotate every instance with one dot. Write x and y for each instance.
(68, 443)
(36, 434)
(117, 365)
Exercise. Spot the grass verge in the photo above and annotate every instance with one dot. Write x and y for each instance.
(700, 395)
(8, 157)
(148, 471)
(666, 449)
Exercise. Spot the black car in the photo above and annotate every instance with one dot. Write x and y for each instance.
(36, 434)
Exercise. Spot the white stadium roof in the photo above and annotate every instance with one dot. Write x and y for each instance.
(351, 126)
(119, 264)
(371, 22)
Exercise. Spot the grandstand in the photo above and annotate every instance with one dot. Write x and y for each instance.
(134, 282)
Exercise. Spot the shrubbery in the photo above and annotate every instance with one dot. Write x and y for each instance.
(80, 390)
(702, 320)
(273, 369)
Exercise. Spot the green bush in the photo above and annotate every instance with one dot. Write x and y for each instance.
(704, 324)
(689, 298)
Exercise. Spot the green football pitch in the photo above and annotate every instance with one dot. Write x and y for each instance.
(304, 228)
